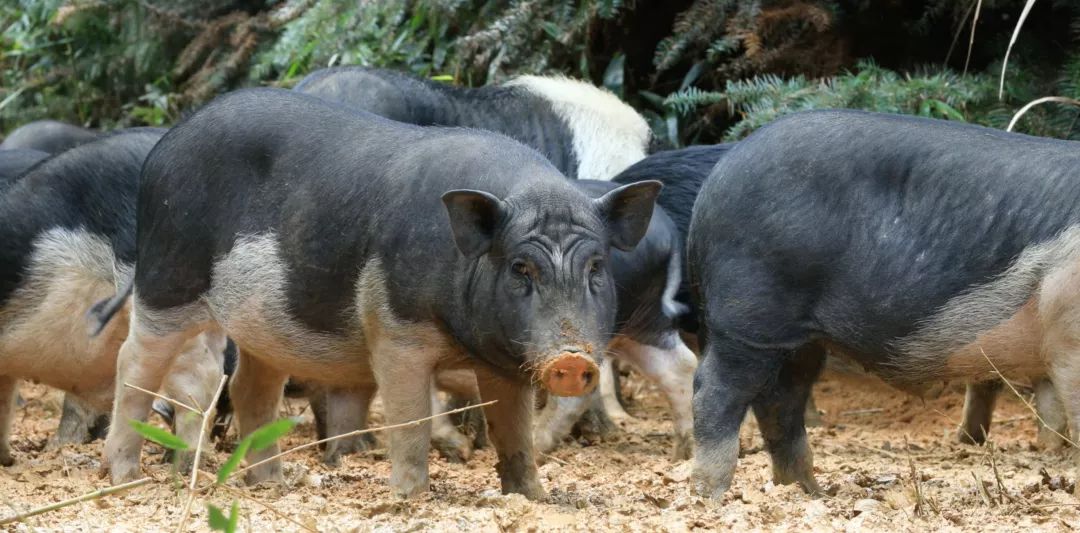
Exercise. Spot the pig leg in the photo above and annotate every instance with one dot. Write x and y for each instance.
(403, 372)
(509, 428)
(671, 369)
(1052, 412)
(79, 423)
(256, 391)
(194, 377)
(319, 401)
(979, 401)
(978, 411)
(780, 409)
(1066, 378)
(461, 384)
(7, 412)
(451, 444)
(727, 380)
(472, 421)
(339, 411)
(609, 391)
(813, 415)
(557, 419)
(144, 359)
(595, 422)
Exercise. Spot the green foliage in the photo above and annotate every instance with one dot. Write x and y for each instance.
(760, 100)
(220, 522)
(78, 62)
(479, 42)
(531, 37)
(258, 440)
(734, 63)
(695, 27)
(383, 34)
(160, 436)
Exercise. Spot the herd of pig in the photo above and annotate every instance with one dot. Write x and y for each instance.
(373, 231)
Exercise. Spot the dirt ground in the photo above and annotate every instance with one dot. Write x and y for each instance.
(888, 461)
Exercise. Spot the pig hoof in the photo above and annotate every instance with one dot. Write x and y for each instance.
(975, 438)
(1049, 441)
(333, 460)
(706, 489)
(409, 489)
(336, 449)
(454, 447)
(812, 488)
(65, 436)
(595, 425)
(124, 472)
(532, 491)
(709, 482)
(351, 445)
(684, 447)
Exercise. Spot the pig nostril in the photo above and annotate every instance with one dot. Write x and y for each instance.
(588, 377)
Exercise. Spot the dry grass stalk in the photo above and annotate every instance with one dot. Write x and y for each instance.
(175, 402)
(1037, 101)
(981, 489)
(1002, 493)
(922, 502)
(971, 42)
(78, 499)
(361, 432)
(1016, 32)
(203, 428)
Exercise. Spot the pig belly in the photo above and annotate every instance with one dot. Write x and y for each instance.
(248, 299)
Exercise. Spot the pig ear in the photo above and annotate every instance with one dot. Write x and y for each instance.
(473, 217)
(628, 210)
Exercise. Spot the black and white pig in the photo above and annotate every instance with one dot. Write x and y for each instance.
(683, 171)
(922, 249)
(48, 136)
(338, 246)
(585, 131)
(68, 231)
(646, 280)
(78, 421)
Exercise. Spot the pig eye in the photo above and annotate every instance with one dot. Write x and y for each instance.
(520, 268)
(594, 267)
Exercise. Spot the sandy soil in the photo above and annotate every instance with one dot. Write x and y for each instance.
(877, 450)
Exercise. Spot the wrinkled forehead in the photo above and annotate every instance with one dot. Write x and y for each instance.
(559, 218)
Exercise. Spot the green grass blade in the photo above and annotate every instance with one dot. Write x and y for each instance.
(159, 436)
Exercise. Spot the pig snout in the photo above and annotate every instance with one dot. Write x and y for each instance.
(570, 373)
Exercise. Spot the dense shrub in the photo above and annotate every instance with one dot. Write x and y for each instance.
(699, 70)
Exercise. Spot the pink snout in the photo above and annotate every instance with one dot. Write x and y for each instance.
(569, 374)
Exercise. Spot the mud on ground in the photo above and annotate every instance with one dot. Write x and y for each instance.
(888, 461)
